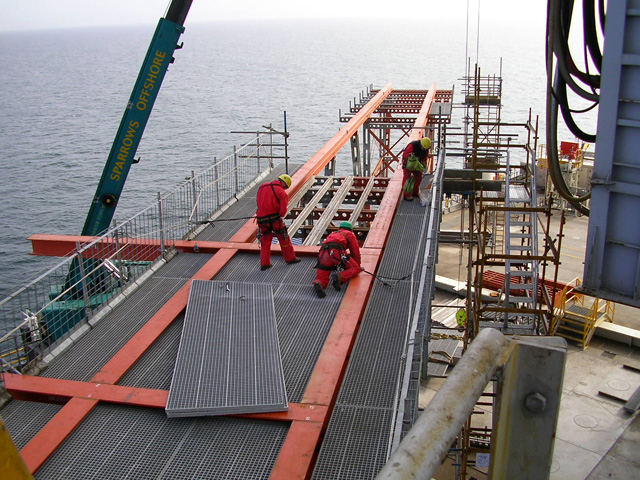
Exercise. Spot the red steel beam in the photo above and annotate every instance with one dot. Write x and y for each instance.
(320, 160)
(61, 245)
(53, 390)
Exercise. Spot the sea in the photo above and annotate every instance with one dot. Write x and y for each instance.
(63, 93)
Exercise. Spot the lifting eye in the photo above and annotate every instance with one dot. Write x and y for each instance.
(108, 200)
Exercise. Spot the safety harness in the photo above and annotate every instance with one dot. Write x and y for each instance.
(329, 246)
(267, 221)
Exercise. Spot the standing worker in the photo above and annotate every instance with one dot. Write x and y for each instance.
(414, 161)
(333, 253)
(273, 203)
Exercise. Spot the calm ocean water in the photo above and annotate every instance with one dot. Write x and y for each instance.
(63, 93)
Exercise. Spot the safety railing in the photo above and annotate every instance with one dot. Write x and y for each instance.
(40, 315)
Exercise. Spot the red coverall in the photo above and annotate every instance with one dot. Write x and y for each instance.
(415, 148)
(335, 245)
(272, 200)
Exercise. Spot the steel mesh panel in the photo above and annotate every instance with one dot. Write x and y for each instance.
(355, 446)
(372, 375)
(25, 419)
(229, 357)
(303, 319)
(183, 265)
(358, 438)
(92, 351)
(155, 368)
(116, 442)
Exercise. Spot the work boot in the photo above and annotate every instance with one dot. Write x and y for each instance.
(295, 260)
(264, 267)
(337, 282)
(319, 291)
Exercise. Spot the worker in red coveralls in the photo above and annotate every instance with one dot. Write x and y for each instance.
(272, 200)
(414, 161)
(339, 248)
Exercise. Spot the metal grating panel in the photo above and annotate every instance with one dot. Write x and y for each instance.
(229, 357)
(303, 319)
(25, 419)
(359, 435)
(355, 446)
(92, 351)
(143, 444)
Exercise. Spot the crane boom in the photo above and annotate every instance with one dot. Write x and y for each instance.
(135, 117)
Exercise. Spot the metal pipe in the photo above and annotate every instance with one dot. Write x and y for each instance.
(424, 447)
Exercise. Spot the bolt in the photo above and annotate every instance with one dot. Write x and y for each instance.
(535, 402)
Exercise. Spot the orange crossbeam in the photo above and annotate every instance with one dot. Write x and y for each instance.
(53, 390)
(134, 250)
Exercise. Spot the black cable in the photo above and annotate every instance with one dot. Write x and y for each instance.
(380, 277)
(565, 62)
(203, 222)
(567, 115)
(590, 34)
(554, 164)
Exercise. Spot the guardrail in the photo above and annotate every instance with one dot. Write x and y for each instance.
(40, 315)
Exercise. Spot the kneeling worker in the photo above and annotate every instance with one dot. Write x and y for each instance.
(339, 248)
(273, 203)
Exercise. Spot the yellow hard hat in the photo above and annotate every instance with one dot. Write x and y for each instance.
(286, 179)
(425, 142)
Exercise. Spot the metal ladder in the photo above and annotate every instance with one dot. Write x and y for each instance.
(520, 240)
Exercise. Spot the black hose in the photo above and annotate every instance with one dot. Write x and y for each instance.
(590, 34)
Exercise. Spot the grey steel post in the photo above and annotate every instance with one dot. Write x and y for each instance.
(217, 177)
(194, 190)
(258, 152)
(528, 404)
(83, 279)
(235, 166)
(161, 222)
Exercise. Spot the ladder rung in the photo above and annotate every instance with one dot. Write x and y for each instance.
(521, 273)
(521, 299)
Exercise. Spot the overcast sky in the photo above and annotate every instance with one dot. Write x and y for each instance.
(43, 14)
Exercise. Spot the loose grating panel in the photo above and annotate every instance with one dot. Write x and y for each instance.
(355, 446)
(303, 319)
(229, 357)
(117, 442)
(25, 419)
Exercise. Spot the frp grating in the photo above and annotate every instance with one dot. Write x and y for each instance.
(143, 444)
(229, 357)
(360, 432)
(303, 319)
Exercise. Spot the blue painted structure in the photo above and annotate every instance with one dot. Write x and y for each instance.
(612, 263)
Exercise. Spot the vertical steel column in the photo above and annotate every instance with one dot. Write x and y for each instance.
(612, 262)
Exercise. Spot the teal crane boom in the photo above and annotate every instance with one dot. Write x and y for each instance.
(136, 115)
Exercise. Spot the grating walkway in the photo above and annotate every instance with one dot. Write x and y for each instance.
(359, 436)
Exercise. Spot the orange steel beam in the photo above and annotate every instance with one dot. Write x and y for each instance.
(320, 160)
(53, 390)
(327, 375)
(61, 245)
